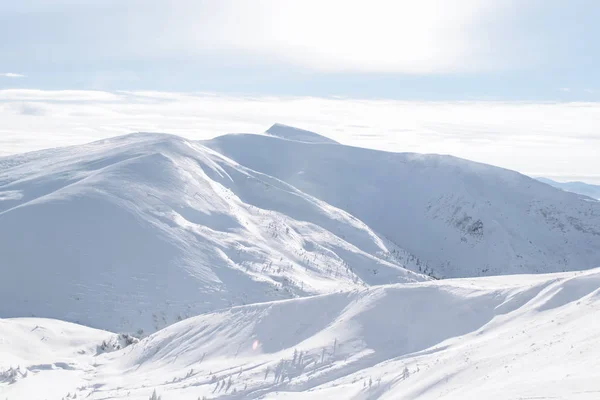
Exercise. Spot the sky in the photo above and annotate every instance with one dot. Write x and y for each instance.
(511, 82)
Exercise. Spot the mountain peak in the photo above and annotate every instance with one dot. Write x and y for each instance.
(300, 135)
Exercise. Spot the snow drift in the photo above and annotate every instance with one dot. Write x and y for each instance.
(493, 337)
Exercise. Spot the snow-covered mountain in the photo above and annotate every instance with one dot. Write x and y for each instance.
(310, 265)
(458, 218)
(138, 232)
(509, 337)
(583, 188)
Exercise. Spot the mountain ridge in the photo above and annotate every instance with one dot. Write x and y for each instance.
(260, 267)
(446, 199)
(578, 187)
(156, 228)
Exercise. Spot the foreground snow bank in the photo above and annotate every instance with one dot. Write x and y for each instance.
(501, 337)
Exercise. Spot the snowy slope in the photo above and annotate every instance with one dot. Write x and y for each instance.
(458, 218)
(138, 232)
(583, 188)
(45, 359)
(504, 337)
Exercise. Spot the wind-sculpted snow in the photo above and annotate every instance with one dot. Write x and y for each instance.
(137, 232)
(526, 336)
(458, 218)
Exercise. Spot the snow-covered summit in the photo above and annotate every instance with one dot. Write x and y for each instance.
(290, 133)
(460, 218)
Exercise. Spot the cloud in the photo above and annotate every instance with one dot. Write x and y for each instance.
(12, 75)
(57, 95)
(30, 109)
(585, 90)
(380, 36)
(540, 139)
(415, 37)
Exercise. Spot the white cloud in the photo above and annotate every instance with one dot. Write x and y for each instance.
(57, 95)
(540, 139)
(12, 75)
(406, 36)
(390, 36)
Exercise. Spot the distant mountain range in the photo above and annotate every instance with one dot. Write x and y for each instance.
(583, 188)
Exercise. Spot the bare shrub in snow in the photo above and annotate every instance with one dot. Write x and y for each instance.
(154, 396)
(12, 375)
(117, 342)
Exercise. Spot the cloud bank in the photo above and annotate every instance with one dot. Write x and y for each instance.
(558, 140)
(11, 75)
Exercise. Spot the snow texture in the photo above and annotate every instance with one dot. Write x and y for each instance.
(526, 336)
